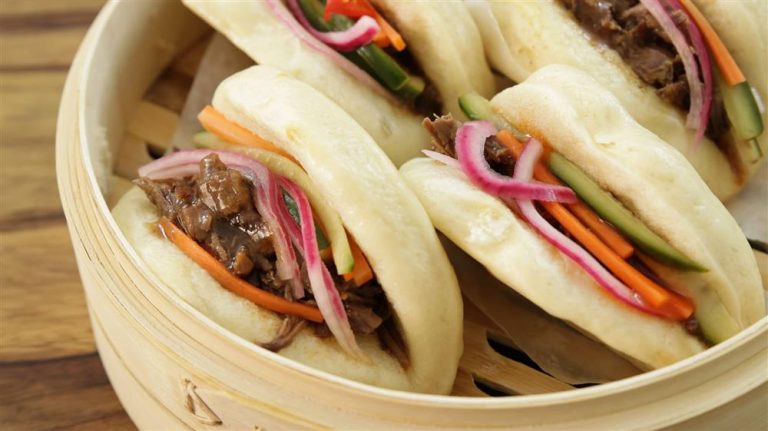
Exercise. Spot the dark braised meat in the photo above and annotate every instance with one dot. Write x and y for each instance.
(443, 133)
(216, 208)
(392, 341)
(288, 329)
(628, 27)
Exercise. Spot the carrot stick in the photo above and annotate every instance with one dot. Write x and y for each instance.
(381, 40)
(397, 40)
(604, 231)
(669, 304)
(725, 62)
(361, 272)
(232, 283)
(216, 123)
(654, 295)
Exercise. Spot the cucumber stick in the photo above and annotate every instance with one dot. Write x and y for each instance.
(477, 107)
(374, 60)
(612, 211)
(742, 110)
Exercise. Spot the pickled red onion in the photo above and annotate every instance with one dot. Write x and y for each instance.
(697, 116)
(705, 63)
(470, 145)
(284, 16)
(524, 172)
(361, 33)
(267, 199)
(323, 288)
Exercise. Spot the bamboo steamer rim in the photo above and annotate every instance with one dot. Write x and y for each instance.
(749, 335)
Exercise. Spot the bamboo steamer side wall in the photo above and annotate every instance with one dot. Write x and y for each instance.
(172, 367)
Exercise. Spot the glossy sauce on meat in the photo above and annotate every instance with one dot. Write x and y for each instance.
(216, 208)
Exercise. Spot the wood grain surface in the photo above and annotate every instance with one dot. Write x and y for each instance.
(49, 370)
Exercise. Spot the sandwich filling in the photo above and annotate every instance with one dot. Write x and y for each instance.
(670, 46)
(621, 264)
(360, 39)
(220, 209)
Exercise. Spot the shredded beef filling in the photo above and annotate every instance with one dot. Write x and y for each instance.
(216, 209)
(628, 28)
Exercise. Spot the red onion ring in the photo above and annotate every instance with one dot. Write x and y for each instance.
(175, 171)
(323, 288)
(470, 145)
(267, 199)
(294, 232)
(442, 158)
(524, 172)
(270, 201)
(361, 33)
(705, 63)
(282, 14)
(695, 119)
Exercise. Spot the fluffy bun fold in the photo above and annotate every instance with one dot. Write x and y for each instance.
(444, 41)
(516, 255)
(543, 32)
(376, 207)
(570, 111)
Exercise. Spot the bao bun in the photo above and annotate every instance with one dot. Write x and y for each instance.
(389, 225)
(578, 118)
(443, 40)
(538, 33)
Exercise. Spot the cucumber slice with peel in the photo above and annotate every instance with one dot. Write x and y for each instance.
(612, 211)
(742, 110)
(744, 113)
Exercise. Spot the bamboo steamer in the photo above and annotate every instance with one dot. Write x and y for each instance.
(173, 368)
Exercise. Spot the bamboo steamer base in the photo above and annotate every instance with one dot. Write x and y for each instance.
(172, 368)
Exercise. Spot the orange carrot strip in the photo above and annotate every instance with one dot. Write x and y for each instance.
(361, 272)
(232, 283)
(397, 40)
(653, 294)
(216, 123)
(381, 40)
(604, 231)
(725, 62)
(668, 303)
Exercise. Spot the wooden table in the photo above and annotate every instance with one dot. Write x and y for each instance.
(49, 369)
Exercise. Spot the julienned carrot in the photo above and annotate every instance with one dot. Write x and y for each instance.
(667, 303)
(394, 37)
(605, 232)
(725, 63)
(381, 40)
(232, 283)
(216, 123)
(670, 305)
(356, 9)
(361, 272)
